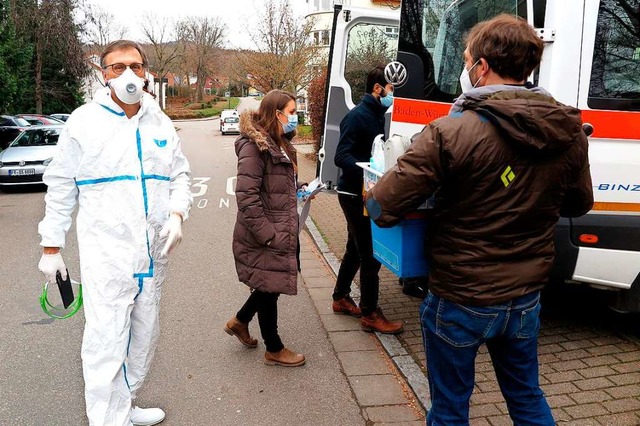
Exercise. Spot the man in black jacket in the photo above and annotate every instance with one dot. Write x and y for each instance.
(358, 129)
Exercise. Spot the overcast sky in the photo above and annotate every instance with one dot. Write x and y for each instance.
(239, 15)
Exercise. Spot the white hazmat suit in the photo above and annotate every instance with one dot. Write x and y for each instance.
(126, 176)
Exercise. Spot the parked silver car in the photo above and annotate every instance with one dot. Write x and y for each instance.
(26, 158)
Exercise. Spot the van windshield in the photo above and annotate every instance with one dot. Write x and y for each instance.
(231, 120)
(615, 82)
(435, 31)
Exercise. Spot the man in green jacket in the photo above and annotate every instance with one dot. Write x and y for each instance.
(504, 165)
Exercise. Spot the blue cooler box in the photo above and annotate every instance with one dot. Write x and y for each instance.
(401, 247)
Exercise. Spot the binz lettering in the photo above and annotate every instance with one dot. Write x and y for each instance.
(618, 187)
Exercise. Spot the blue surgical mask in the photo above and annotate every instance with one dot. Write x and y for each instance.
(291, 124)
(387, 100)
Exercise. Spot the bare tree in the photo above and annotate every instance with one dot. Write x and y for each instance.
(202, 39)
(391, 4)
(283, 50)
(165, 50)
(102, 27)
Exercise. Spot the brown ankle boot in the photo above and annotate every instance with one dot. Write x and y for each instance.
(377, 322)
(241, 331)
(346, 306)
(284, 357)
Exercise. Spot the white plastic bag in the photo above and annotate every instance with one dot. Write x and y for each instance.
(377, 154)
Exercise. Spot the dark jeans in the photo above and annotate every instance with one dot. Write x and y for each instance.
(453, 333)
(358, 255)
(266, 306)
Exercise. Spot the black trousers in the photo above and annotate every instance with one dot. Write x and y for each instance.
(266, 306)
(358, 255)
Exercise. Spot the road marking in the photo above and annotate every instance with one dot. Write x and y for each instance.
(203, 203)
(199, 182)
(224, 202)
(231, 183)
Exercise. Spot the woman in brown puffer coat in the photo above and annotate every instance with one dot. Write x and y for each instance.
(265, 238)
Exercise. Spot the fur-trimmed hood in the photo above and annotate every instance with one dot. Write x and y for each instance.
(248, 128)
(250, 131)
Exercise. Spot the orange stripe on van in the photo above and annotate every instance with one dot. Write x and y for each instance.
(418, 112)
(617, 207)
(606, 124)
(613, 124)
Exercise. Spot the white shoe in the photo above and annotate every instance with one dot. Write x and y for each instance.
(146, 416)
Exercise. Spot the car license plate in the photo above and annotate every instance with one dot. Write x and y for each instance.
(22, 172)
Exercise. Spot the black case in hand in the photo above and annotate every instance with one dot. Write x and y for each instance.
(66, 291)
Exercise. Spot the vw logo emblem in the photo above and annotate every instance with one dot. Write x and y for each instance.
(395, 73)
(22, 164)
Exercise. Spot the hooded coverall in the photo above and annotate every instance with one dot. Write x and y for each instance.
(126, 176)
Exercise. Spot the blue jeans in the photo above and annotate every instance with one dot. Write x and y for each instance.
(453, 333)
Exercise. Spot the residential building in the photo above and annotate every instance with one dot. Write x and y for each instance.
(94, 80)
(369, 45)
(321, 12)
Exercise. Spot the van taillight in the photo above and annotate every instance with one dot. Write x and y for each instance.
(588, 239)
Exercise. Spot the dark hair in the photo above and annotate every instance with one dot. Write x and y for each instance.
(376, 75)
(120, 45)
(265, 117)
(509, 44)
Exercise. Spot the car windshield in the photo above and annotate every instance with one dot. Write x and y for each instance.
(231, 120)
(37, 137)
(21, 122)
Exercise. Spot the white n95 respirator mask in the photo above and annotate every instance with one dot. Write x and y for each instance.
(128, 87)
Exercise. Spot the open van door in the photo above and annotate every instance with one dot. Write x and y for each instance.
(361, 40)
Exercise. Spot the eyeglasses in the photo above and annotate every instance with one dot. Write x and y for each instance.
(119, 68)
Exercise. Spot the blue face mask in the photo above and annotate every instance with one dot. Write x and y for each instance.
(387, 100)
(291, 124)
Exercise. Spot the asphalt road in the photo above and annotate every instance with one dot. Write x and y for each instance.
(200, 376)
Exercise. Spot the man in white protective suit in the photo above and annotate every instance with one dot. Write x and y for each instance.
(119, 160)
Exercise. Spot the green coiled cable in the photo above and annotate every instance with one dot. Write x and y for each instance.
(73, 307)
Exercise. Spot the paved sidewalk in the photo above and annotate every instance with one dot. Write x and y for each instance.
(590, 369)
(379, 389)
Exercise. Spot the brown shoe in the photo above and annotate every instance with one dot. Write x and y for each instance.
(284, 357)
(346, 306)
(241, 331)
(377, 322)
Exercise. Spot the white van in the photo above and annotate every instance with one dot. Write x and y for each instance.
(225, 113)
(230, 125)
(591, 61)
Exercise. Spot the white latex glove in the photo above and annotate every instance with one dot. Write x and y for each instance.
(172, 229)
(50, 264)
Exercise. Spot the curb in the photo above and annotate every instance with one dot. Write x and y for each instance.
(186, 120)
(392, 346)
